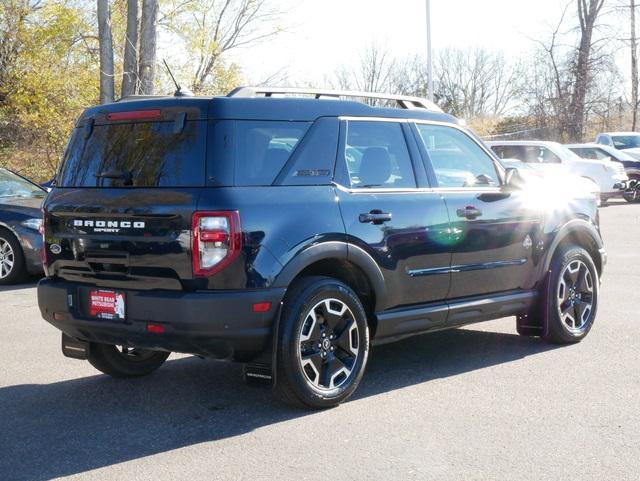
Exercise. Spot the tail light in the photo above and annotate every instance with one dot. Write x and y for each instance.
(217, 241)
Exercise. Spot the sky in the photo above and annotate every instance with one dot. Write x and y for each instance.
(321, 35)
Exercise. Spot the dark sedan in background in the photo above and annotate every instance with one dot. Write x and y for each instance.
(20, 221)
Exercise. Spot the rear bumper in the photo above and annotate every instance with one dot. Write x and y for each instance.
(218, 324)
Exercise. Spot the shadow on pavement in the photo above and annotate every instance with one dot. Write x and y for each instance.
(30, 284)
(69, 427)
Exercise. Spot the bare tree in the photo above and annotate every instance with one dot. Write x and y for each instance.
(376, 71)
(130, 61)
(588, 11)
(212, 28)
(148, 39)
(476, 82)
(634, 65)
(106, 52)
(573, 80)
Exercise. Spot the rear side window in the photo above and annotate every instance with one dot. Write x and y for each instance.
(146, 154)
(263, 148)
(377, 156)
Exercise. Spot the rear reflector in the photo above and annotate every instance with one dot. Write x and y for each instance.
(134, 115)
(155, 328)
(261, 306)
(59, 316)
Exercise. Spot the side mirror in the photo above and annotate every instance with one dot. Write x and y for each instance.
(513, 178)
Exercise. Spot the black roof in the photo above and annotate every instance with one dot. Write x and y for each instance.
(261, 108)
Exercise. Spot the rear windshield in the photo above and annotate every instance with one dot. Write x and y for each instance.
(146, 154)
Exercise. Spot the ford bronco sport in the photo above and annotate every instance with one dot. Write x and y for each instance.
(292, 233)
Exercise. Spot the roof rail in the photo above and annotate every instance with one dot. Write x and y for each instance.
(403, 101)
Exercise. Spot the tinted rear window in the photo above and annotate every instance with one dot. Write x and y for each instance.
(146, 154)
(263, 148)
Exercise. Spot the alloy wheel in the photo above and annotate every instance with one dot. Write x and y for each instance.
(7, 258)
(134, 354)
(631, 194)
(575, 296)
(328, 344)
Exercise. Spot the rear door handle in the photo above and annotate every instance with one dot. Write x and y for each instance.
(376, 217)
(469, 212)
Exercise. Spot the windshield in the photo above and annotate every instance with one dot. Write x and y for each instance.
(626, 141)
(12, 185)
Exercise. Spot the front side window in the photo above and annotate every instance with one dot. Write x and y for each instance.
(591, 154)
(377, 156)
(531, 154)
(509, 151)
(457, 160)
(545, 156)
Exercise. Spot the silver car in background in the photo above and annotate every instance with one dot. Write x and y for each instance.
(629, 142)
(553, 158)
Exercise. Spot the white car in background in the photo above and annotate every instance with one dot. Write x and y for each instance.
(554, 158)
(629, 142)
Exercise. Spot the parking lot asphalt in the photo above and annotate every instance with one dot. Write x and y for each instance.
(478, 403)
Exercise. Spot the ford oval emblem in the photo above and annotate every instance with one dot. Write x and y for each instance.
(55, 249)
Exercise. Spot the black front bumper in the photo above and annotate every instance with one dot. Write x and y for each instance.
(218, 324)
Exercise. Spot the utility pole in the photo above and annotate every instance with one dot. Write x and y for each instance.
(429, 52)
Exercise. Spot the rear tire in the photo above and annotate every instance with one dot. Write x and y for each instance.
(12, 268)
(125, 362)
(572, 300)
(323, 344)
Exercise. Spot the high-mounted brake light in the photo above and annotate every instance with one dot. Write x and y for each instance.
(135, 115)
(216, 239)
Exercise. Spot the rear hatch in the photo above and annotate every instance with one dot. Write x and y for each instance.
(121, 212)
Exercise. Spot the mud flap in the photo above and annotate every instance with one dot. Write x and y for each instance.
(257, 373)
(75, 348)
(534, 322)
(263, 369)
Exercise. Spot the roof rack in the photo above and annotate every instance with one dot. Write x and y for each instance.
(403, 101)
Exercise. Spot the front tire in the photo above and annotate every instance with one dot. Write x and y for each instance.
(12, 268)
(572, 300)
(123, 362)
(323, 344)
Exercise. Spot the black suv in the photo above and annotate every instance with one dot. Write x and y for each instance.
(292, 233)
